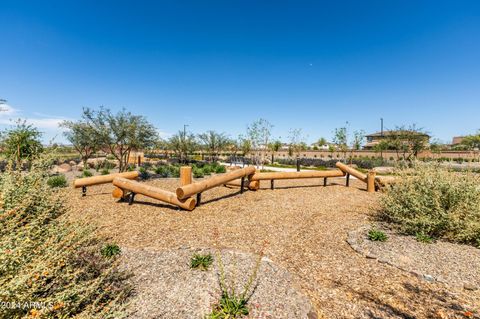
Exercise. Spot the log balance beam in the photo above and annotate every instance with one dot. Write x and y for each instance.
(296, 175)
(134, 188)
(186, 191)
(102, 179)
(369, 178)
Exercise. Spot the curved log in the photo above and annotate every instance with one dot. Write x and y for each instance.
(352, 171)
(198, 187)
(296, 175)
(102, 179)
(153, 192)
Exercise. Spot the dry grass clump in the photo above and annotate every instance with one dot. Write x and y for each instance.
(434, 201)
(49, 268)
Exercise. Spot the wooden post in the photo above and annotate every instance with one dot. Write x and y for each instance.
(272, 184)
(324, 181)
(347, 183)
(298, 164)
(371, 182)
(185, 175)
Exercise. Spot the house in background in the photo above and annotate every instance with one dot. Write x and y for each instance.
(375, 138)
(457, 140)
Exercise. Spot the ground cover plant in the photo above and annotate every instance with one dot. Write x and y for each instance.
(377, 235)
(434, 201)
(49, 267)
(202, 262)
(57, 181)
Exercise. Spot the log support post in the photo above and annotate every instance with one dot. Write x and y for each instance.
(371, 182)
(131, 198)
(199, 198)
(298, 164)
(347, 183)
(272, 184)
(84, 190)
(324, 181)
(242, 182)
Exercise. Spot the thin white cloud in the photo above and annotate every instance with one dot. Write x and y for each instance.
(8, 115)
(7, 110)
(164, 134)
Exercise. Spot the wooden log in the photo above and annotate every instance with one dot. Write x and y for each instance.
(118, 193)
(371, 182)
(153, 192)
(102, 179)
(185, 175)
(198, 187)
(352, 171)
(252, 185)
(296, 175)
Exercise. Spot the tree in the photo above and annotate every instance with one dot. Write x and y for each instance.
(21, 143)
(183, 143)
(340, 139)
(83, 138)
(274, 148)
(357, 142)
(322, 141)
(472, 142)
(214, 142)
(407, 140)
(120, 133)
(259, 133)
(297, 142)
(381, 147)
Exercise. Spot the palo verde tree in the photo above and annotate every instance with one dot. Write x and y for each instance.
(182, 144)
(274, 147)
(21, 143)
(213, 143)
(340, 139)
(259, 133)
(409, 141)
(120, 133)
(82, 137)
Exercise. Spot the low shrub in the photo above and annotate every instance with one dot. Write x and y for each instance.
(198, 172)
(432, 200)
(377, 235)
(110, 250)
(57, 181)
(167, 171)
(144, 174)
(421, 237)
(220, 169)
(49, 261)
(86, 173)
(201, 262)
(104, 171)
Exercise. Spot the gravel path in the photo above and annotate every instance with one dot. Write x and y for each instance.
(306, 226)
(168, 288)
(454, 264)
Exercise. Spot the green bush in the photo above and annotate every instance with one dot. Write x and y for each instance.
(57, 181)
(167, 171)
(201, 262)
(220, 169)
(377, 235)
(110, 250)
(198, 172)
(432, 200)
(207, 170)
(48, 260)
(86, 173)
(104, 171)
(144, 174)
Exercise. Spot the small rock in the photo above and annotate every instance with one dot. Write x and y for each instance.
(312, 315)
(428, 278)
(72, 163)
(470, 287)
(384, 170)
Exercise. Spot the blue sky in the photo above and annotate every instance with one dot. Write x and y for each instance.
(222, 64)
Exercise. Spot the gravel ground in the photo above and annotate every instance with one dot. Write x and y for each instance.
(306, 226)
(454, 264)
(168, 288)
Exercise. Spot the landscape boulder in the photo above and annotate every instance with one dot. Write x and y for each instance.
(62, 168)
(384, 170)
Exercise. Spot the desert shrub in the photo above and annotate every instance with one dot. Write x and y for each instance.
(207, 169)
(144, 174)
(47, 260)
(433, 200)
(167, 171)
(377, 235)
(201, 262)
(57, 181)
(110, 250)
(421, 237)
(104, 171)
(198, 172)
(86, 173)
(220, 169)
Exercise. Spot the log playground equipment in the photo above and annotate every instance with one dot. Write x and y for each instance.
(189, 194)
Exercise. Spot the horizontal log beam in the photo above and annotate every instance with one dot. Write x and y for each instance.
(352, 171)
(296, 175)
(153, 192)
(102, 179)
(252, 185)
(198, 187)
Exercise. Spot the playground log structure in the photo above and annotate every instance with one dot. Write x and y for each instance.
(139, 188)
(272, 176)
(369, 178)
(197, 188)
(102, 179)
(251, 185)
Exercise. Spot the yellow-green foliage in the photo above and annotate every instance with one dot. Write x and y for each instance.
(435, 201)
(45, 260)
